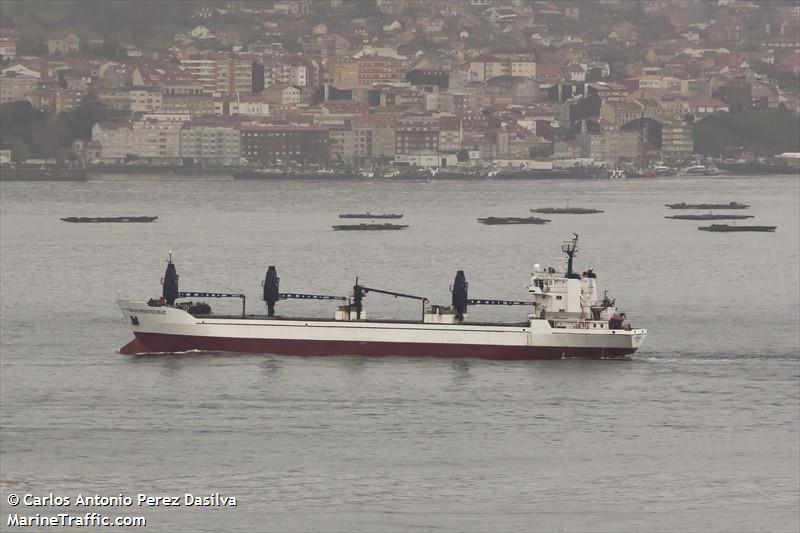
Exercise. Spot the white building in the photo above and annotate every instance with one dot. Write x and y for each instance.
(115, 140)
(210, 143)
(223, 75)
(204, 70)
(280, 73)
(16, 88)
(153, 140)
(249, 109)
(145, 99)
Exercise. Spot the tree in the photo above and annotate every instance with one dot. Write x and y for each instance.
(111, 50)
(28, 45)
(80, 121)
(17, 122)
(31, 132)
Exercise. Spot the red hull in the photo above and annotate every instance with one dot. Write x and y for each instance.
(161, 343)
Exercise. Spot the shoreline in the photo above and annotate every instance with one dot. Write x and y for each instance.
(174, 173)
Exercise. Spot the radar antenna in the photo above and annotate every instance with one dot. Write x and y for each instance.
(571, 248)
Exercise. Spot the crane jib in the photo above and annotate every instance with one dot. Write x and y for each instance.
(300, 296)
(497, 302)
(195, 294)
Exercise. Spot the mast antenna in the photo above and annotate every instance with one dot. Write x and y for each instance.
(570, 248)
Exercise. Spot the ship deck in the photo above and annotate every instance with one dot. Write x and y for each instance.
(371, 321)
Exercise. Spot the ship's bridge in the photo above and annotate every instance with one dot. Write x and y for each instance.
(567, 295)
(555, 295)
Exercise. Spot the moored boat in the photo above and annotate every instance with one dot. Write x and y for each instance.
(566, 318)
(618, 174)
(702, 170)
(448, 173)
(663, 170)
(724, 228)
(512, 220)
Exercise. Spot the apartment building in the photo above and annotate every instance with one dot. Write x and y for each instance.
(211, 142)
(486, 66)
(145, 99)
(677, 141)
(417, 135)
(279, 144)
(374, 136)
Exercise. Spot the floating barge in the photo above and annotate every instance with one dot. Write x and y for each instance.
(566, 211)
(372, 216)
(566, 317)
(725, 228)
(493, 221)
(710, 217)
(369, 227)
(731, 205)
(110, 219)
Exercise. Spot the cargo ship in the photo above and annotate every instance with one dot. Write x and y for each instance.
(566, 318)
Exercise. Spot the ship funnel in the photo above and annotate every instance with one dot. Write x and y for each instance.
(170, 282)
(271, 290)
(460, 287)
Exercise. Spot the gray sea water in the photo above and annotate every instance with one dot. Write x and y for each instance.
(700, 431)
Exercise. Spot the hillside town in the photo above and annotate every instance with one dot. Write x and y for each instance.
(367, 84)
